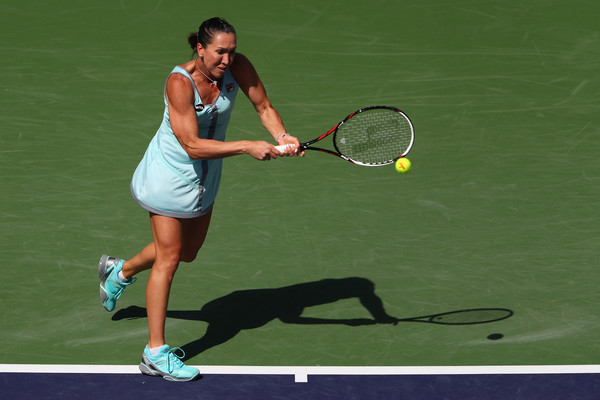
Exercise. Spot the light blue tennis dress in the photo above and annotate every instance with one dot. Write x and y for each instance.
(167, 181)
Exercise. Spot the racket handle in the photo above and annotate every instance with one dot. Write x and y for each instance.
(282, 148)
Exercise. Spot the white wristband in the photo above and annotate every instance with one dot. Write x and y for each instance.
(281, 137)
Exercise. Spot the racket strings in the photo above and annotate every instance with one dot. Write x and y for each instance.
(375, 136)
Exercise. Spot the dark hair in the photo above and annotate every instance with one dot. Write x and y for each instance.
(207, 30)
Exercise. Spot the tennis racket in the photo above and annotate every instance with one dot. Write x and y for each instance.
(372, 136)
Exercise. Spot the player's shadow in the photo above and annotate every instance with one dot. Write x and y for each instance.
(250, 309)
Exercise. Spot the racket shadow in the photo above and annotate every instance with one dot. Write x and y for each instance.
(250, 309)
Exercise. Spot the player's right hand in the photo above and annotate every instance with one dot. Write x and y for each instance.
(263, 151)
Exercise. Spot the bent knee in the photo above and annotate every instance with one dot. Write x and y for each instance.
(188, 256)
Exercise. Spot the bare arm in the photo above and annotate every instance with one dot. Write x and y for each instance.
(251, 85)
(180, 97)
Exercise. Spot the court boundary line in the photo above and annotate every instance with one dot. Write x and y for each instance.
(301, 373)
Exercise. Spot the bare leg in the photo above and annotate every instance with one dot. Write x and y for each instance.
(141, 262)
(175, 240)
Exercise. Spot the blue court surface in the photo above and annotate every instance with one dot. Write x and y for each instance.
(426, 383)
(234, 387)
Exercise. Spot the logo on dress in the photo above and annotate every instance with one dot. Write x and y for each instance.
(229, 87)
(199, 107)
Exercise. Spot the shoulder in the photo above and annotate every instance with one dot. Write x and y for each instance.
(243, 71)
(240, 63)
(179, 88)
(179, 81)
(178, 76)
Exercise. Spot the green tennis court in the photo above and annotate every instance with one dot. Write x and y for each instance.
(499, 211)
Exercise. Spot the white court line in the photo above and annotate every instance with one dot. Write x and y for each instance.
(301, 374)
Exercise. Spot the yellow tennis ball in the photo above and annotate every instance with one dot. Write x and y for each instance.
(403, 165)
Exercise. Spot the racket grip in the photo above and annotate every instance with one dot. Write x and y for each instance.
(282, 148)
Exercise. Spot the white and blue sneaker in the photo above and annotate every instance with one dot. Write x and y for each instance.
(111, 287)
(168, 365)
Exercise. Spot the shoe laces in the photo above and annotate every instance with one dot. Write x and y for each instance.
(174, 359)
(122, 285)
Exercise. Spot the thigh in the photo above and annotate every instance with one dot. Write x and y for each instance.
(168, 237)
(194, 231)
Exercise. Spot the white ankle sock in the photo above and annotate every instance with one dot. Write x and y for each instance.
(154, 351)
(122, 277)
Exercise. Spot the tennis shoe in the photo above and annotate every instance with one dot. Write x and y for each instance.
(168, 365)
(111, 287)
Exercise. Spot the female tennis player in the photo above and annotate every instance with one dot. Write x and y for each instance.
(178, 178)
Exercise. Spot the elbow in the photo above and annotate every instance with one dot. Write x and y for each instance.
(191, 152)
(263, 109)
